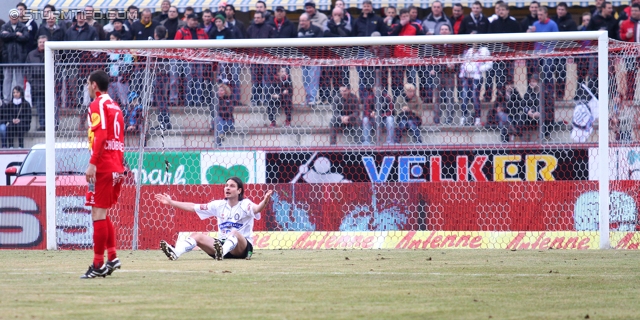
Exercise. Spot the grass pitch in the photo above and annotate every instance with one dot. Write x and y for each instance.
(331, 284)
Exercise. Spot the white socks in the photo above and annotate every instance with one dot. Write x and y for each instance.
(184, 246)
(229, 244)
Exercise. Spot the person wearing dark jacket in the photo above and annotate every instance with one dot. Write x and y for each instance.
(336, 26)
(475, 22)
(51, 29)
(260, 75)
(238, 29)
(30, 24)
(172, 23)
(118, 27)
(15, 117)
(310, 74)
(81, 31)
(144, 28)
(284, 28)
(368, 22)
(16, 41)
(219, 31)
(565, 23)
(605, 20)
(281, 97)
(346, 113)
(194, 73)
(222, 113)
(35, 76)
(531, 18)
(502, 70)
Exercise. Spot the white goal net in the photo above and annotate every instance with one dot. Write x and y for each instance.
(389, 142)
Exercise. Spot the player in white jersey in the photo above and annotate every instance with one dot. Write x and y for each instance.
(235, 224)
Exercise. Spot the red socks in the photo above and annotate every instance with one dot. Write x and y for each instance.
(111, 240)
(100, 234)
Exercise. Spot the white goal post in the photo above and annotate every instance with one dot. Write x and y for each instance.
(154, 47)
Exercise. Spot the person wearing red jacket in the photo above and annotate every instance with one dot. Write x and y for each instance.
(629, 32)
(105, 172)
(404, 28)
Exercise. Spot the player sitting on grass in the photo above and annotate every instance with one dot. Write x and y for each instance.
(235, 224)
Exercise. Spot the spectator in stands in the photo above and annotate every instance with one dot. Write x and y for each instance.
(163, 83)
(345, 113)
(172, 23)
(431, 24)
(629, 32)
(193, 72)
(207, 20)
(547, 68)
(531, 105)
(132, 16)
(187, 12)
(391, 16)
(239, 32)
(471, 75)
(281, 97)
(457, 16)
(366, 25)
(532, 17)
(404, 28)
(626, 13)
(624, 120)
(586, 19)
(413, 13)
(283, 27)
(604, 20)
(347, 16)
(409, 121)
(118, 27)
(446, 74)
(310, 74)
(410, 98)
(238, 28)
(368, 22)
(220, 31)
(378, 110)
(132, 112)
(15, 119)
(261, 6)
(144, 28)
(51, 29)
(164, 11)
(222, 113)
(260, 81)
(47, 13)
(35, 76)
(15, 36)
(495, 16)
(476, 22)
(513, 107)
(30, 24)
(502, 70)
(119, 68)
(318, 19)
(112, 14)
(89, 13)
(337, 26)
(222, 5)
(78, 74)
(596, 8)
(565, 23)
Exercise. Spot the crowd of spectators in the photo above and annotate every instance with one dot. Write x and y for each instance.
(22, 41)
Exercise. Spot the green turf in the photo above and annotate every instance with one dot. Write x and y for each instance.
(334, 284)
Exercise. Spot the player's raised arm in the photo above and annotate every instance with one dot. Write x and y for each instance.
(166, 199)
(259, 207)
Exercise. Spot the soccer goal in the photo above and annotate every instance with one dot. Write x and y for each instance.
(478, 141)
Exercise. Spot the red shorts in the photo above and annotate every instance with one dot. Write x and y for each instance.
(107, 190)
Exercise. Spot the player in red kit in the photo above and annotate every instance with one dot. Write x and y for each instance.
(104, 173)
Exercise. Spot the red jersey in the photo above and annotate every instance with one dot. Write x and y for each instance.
(106, 136)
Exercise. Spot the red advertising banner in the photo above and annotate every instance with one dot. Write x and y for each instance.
(343, 207)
